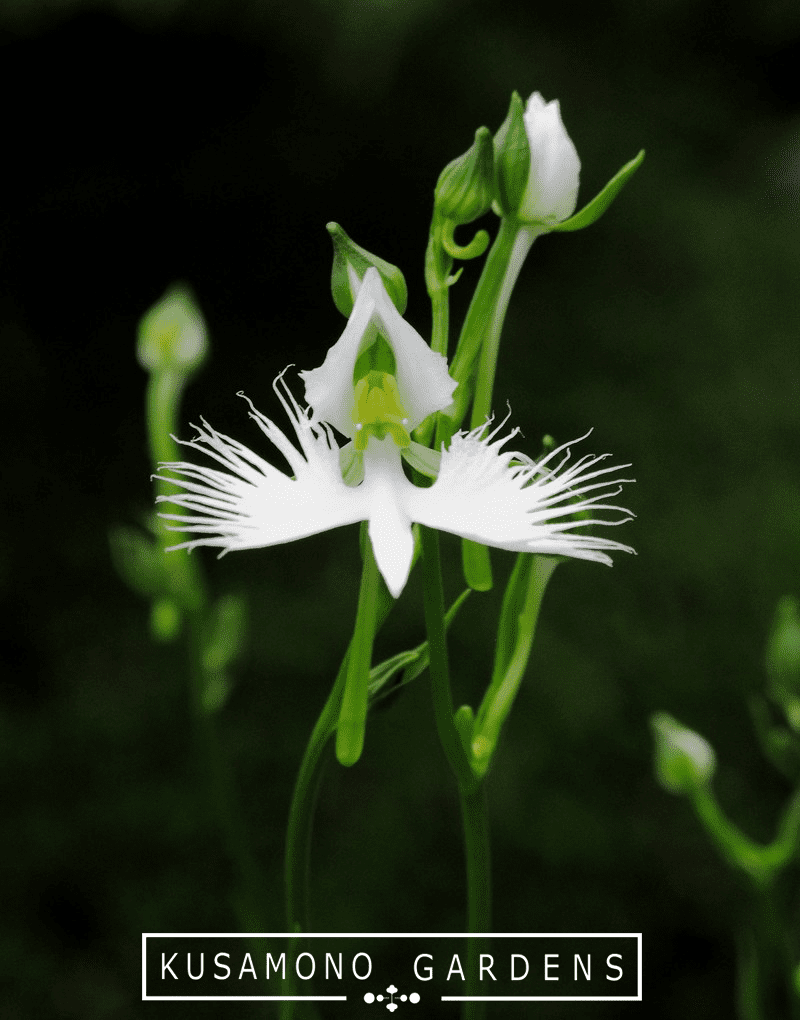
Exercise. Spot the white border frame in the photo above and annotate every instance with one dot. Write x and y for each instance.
(394, 935)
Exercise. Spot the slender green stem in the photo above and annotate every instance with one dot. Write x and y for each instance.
(761, 863)
(513, 244)
(162, 400)
(475, 820)
(439, 668)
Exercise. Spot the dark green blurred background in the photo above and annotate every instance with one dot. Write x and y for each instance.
(210, 142)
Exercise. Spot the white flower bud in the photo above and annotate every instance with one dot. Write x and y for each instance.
(551, 193)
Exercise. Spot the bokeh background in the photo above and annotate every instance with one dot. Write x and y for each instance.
(209, 142)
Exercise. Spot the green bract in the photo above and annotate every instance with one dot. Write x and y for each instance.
(593, 210)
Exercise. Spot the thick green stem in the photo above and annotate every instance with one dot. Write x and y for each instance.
(516, 243)
(486, 315)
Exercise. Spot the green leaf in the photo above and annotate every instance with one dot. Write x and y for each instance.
(422, 459)
(414, 661)
(598, 205)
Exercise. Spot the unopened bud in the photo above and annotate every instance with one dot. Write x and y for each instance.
(684, 760)
(465, 188)
(172, 334)
(350, 263)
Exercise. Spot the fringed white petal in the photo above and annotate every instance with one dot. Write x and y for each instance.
(422, 377)
(505, 500)
(252, 504)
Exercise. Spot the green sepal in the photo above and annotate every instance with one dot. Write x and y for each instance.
(172, 335)
(351, 464)
(593, 210)
(465, 189)
(512, 159)
(350, 257)
(423, 459)
(477, 565)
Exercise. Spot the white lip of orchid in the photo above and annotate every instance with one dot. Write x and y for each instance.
(423, 382)
(497, 498)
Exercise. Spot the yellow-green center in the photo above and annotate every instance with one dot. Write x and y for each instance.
(378, 411)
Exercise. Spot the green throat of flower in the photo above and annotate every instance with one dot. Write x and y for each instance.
(378, 411)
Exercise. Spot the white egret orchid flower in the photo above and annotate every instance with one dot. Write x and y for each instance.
(377, 383)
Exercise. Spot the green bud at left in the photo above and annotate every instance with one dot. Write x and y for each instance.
(172, 335)
(465, 188)
(684, 760)
(350, 263)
